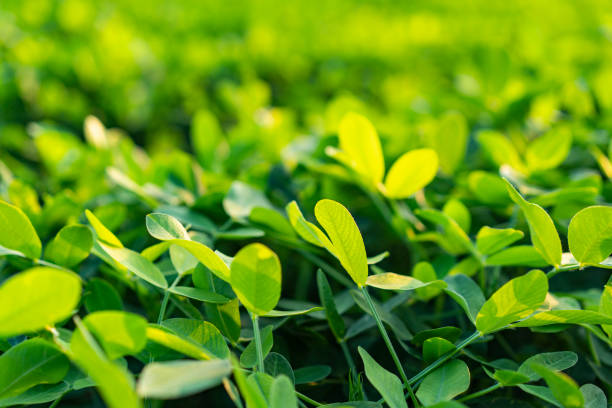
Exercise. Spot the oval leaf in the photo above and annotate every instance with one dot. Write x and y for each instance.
(410, 173)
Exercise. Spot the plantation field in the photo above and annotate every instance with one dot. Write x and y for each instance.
(358, 204)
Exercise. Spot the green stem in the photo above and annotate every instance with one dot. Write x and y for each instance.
(164, 304)
(57, 401)
(348, 357)
(308, 400)
(339, 277)
(480, 393)
(597, 334)
(389, 345)
(558, 269)
(258, 346)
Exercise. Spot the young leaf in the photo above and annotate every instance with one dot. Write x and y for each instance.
(181, 378)
(514, 301)
(518, 255)
(410, 173)
(165, 227)
(256, 278)
(558, 361)
(491, 240)
(549, 150)
(36, 298)
(103, 234)
(544, 235)
(594, 397)
(393, 281)
(282, 394)
(444, 383)
(119, 333)
(199, 294)
(565, 317)
(336, 323)
(226, 317)
(285, 313)
(138, 264)
(345, 238)
(605, 307)
(563, 388)
(30, 363)
(500, 150)
(590, 234)
(387, 384)
(307, 230)
(169, 339)
(450, 141)
(241, 199)
(359, 140)
(466, 293)
(17, 232)
(71, 245)
(199, 332)
(435, 347)
(509, 378)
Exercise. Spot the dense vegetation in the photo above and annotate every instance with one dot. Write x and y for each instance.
(283, 204)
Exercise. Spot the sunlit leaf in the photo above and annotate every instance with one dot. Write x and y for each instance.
(17, 232)
(410, 173)
(360, 142)
(71, 245)
(590, 234)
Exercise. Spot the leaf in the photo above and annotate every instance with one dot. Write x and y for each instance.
(541, 392)
(137, 264)
(335, 321)
(549, 150)
(30, 363)
(17, 232)
(489, 188)
(394, 281)
(71, 245)
(253, 395)
(605, 307)
(39, 394)
(36, 298)
(425, 272)
(207, 257)
(168, 338)
(387, 384)
(310, 374)
(199, 294)
(500, 150)
(114, 382)
(241, 199)
(226, 317)
(360, 142)
(590, 234)
(307, 230)
(206, 136)
(519, 255)
(449, 225)
(276, 364)
(557, 360)
(256, 278)
(165, 227)
(509, 378)
(373, 260)
(345, 237)
(118, 333)
(456, 210)
(594, 397)
(103, 234)
(435, 347)
(272, 219)
(450, 141)
(444, 383)
(282, 394)
(101, 295)
(543, 233)
(202, 333)
(514, 301)
(466, 293)
(565, 317)
(181, 378)
(248, 358)
(285, 313)
(410, 173)
(492, 240)
(563, 388)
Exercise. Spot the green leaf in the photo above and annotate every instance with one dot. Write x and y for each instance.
(466, 293)
(544, 235)
(118, 333)
(425, 272)
(272, 219)
(549, 150)
(17, 232)
(137, 264)
(500, 150)
(605, 307)
(541, 392)
(276, 364)
(489, 188)
(181, 378)
(39, 394)
(30, 363)
(444, 383)
(345, 237)
(360, 142)
(248, 358)
(241, 199)
(256, 278)
(204, 334)
(410, 173)
(285, 313)
(101, 295)
(565, 317)
(165, 227)
(206, 136)
(252, 393)
(563, 388)
(394, 281)
(450, 227)
(199, 294)
(114, 382)
(36, 298)
(226, 317)
(557, 360)
(491, 240)
(449, 141)
(387, 384)
(103, 234)
(71, 245)
(519, 255)
(509, 378)
(311, 374)
(307, 230)
(282, 394)
(590, 234)
(594, 397)
(514, 301)
(435, 347)
(335, 321)
(182, 260)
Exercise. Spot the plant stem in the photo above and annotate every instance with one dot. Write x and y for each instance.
(481, 392)
(57, 401)
(164, 304)
(389, 345)
(348, 357)
(258, 346)
(331, 271)
(557, 270)
(307, 399)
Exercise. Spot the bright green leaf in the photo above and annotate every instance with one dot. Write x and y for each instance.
(491, 240)
(17, 232)
(590, 234)
(563, 388)
(410, 173)
(360, 142)
(71, 245)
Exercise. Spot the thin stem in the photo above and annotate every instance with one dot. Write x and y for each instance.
(389, 345)
(597, 334)
(164, 304)
(558, 269)
(258, 346)
(348, 357)
(481, 392)
(57, 401)
(331, 271)
(308, 399)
